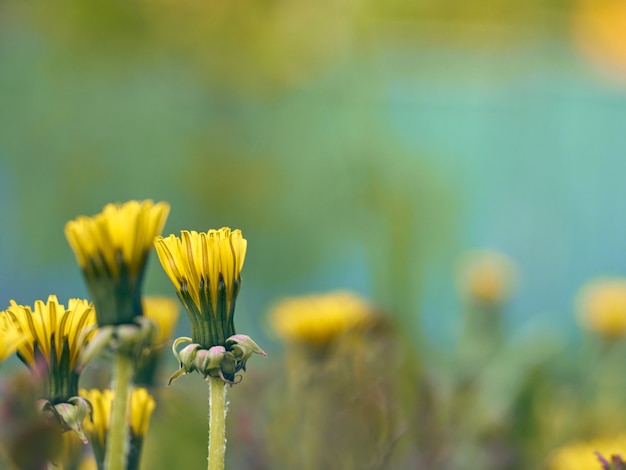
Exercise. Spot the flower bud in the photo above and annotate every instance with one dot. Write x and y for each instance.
(207, 360)
(69, 415)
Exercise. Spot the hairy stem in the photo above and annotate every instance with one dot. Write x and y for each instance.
(217, 423)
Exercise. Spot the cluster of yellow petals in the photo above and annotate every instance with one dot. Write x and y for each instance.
(601, 306)
(51, 322)
(164, 312)
(317, 319)
(141, 406)
(583, 456)
(10, 336)
(197, 258)
(486, 276)
(98, 425)
(127, 228)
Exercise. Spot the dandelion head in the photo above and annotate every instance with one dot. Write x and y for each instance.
(486, 276)
(316, 320)
(112, 248)
(53, 338)
(601, 306)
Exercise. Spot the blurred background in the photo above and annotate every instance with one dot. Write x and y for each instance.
(361, 145)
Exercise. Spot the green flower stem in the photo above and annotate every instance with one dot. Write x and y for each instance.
(217, 423)
(117, 438)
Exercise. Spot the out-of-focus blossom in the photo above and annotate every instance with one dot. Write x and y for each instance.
(588, 455)
(486, 276)
(88, 463)
(601, 306)
(97, 425)
(141, 407)
(164, 312)
(600, 33)
(10, 336)
(317, 319)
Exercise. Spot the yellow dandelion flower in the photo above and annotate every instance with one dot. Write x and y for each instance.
(141, 407)
(600, 34)
(120, 230)
(10, 336)
(88, 463)
(206, 268)
(318, 319)
(601, 306)
(584, 455)
(164, 312)
(54, 338)
(486, 276)
(98, 425)
(112, 248)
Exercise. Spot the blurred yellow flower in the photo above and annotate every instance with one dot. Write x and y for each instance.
(205, 269)
(56, 336)
(10, 336)
(98, 425)
(112, 248)
(486, 276)
(600, 31)
(141, 407)
(317, 319)
(88, 463)
(583, 456)
(71, 450)
(164, 312)
(601, 306)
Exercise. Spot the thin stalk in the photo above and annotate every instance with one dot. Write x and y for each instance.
(117, 438)
(217, 423)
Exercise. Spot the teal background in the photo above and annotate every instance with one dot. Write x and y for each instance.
(372, 167)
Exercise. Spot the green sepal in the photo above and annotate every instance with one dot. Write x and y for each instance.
(69, 415)
(207, 360)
